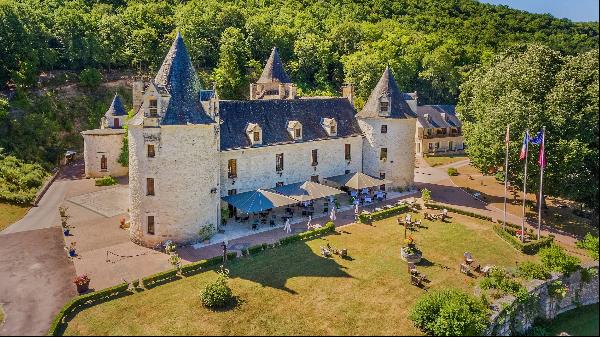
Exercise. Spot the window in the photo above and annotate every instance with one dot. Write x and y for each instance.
(116, 123)
(256, 136)
(437, 145)
(430, 146)
(149, 186)
(297, 133)
(429, 132)
(383, 106)
(347, 172)
(381, 175)
(232, 192)
(279, 184)
(232, 168)
(333, 130)
(384, 129)
(383, 154)
(151, 152)
(153, 107)
(279, 162)
(150, 224)
(103, 163)
(315, 157)
(314, 179)
(450, 145)
(347, 152)
(272, 92)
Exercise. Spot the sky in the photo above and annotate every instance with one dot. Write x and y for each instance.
(575, 10)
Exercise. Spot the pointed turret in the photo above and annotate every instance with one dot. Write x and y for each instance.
(116, 108)
(274, 71)
(178, 76)
(386, 100)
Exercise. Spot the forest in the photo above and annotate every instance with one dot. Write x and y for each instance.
(431, 46)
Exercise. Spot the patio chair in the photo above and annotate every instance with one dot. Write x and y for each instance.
(464, 268)
(412, 268)
(325, 252)
(468, 257)
(486, 270)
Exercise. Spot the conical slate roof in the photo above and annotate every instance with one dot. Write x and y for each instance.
(387, 87)
(274, 71)
(178, 76)
(116, 108)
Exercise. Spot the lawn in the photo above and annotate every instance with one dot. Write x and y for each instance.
(582, 321)
(444, 160)
(293, 290)
(558, 215)
(10, 214)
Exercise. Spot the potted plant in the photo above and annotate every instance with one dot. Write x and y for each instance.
(82, 282)
(72, 252)
(410, 252)
(64, 218)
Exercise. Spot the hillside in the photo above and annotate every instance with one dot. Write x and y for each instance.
(431, 46)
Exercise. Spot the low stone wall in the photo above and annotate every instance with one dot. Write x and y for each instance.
(513, 316)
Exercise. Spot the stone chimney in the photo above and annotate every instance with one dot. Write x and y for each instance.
(348, 92)
(138, 93)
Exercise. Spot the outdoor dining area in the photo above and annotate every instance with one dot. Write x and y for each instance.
(262, 209)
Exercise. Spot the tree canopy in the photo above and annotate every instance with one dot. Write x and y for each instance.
(528, 88)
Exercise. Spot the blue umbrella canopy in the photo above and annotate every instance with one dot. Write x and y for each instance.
(308, 190)
(259, 200)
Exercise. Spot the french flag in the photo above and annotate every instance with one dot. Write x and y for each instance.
(524, 147)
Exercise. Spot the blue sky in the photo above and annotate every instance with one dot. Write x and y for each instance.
(576, 10)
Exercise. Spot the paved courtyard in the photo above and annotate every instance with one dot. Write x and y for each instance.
(107, 202)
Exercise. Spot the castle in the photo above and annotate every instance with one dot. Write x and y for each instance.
(188, 149)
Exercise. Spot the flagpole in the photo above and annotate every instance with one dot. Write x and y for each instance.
(506, 173)
(542, 164)
(525, 186)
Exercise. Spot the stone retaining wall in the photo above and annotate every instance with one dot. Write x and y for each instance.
(512, 318)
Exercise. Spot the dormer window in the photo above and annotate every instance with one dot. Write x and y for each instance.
(444, 116)
(254, 132)
(330, 126)
(384, 106)
(295, 130)
(153, 107)
(427, 117)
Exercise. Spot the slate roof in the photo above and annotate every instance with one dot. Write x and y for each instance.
(273, 117)
(116, 108)
(178, 76)
(387, 87)
(274, 71)
(435, 113)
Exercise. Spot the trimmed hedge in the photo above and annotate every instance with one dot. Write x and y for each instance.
(196, 267)
(157, 279)
(532, 247)
(459, 211)
(383, 214)
(57, 326)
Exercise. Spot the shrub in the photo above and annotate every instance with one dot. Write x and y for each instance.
(590, 243)
(90, 77)
(383, 214)
(452, 171)
(587, 274)
(532, 270)
(159, 278)
(207, 232)
(426, 195)
(532, 247)
(106, 181)
(19, 181)
(499, 176)
(499, 279)
(557, 289)
(217, 294)
(450, 313)
(555, 259)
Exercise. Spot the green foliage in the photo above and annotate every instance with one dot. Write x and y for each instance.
(556, 259)
(383, 214)
(426, 195)
(206, 232)
(459, 211)
(509, 234)
(452, 171)
(124, 154)
(90, 78)
(530, 87)
(533, 270)
(537, 330)
(106, 181)
(499, 279)
(234, 56)
(450, 313)
(499, 176)
(159, 278)
(217, 294)
(590, 243)
(557, 289)
(587, 274)
(19, 181)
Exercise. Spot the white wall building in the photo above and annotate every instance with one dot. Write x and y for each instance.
(188, 148)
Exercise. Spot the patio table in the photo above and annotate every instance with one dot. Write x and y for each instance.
(378, 209)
